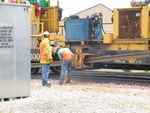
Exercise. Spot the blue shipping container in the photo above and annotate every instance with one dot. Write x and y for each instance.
(77, 29)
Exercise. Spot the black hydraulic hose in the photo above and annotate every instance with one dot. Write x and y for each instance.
(102, 26)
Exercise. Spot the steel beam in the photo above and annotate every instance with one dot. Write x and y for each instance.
(117, 57)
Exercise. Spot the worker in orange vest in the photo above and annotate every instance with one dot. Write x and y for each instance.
(66, 56)
(45, 58)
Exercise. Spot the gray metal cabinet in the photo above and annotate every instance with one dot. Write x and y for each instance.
(15, 64)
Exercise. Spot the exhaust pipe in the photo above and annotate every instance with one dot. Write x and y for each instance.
(139, 3)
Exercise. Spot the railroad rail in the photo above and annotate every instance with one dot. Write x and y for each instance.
(113, 74)
(112, 77)
(37, 65)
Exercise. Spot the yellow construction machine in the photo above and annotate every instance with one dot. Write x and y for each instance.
(128, 45)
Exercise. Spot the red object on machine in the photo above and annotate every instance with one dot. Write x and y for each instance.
(12, 1)
(38, 9)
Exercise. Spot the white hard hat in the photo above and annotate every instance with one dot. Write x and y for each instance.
(55, 49)
(46, 33)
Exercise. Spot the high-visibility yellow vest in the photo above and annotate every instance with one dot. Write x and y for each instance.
(45, 52)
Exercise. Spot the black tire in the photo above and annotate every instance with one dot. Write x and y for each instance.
(56, 69)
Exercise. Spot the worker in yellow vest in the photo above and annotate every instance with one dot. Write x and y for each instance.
(45, 58)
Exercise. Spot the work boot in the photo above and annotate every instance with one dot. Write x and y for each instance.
(60, 83)
(48, 85)
(68, 82)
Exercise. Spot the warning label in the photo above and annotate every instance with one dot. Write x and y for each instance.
(6, 37)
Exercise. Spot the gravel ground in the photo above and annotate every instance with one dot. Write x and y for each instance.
(82, 97)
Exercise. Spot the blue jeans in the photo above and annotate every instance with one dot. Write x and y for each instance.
(66, 66)
(45, 73)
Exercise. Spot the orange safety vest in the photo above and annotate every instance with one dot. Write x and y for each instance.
(43, 56)
(67, 55)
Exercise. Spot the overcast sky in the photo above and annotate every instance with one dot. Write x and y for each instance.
(74, 6)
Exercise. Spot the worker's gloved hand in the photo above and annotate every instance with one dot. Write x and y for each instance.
(50, 60)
